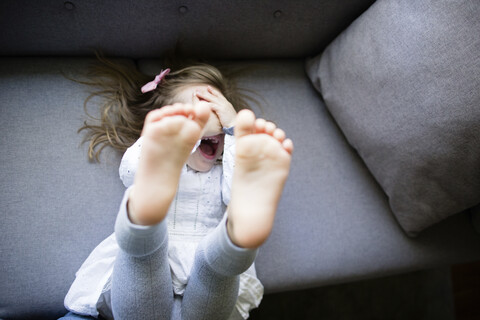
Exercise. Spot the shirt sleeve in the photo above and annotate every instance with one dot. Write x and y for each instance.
(129, 164)
(228, 166)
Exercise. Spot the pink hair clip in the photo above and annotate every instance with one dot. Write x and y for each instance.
(152, 85)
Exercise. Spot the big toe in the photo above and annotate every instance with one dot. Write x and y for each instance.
(202, 113)
(244, 123)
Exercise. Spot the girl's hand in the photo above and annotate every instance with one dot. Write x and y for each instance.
(219, 104)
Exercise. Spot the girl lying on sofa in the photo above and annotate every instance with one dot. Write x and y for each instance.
(178, 251)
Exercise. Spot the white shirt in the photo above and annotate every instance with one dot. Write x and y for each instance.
(198, 207)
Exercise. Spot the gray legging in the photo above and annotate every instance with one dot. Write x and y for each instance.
(142, 284)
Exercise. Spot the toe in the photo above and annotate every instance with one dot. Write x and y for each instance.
(168, 111)
(270, 127)
(157, 114)
(288, 145)
(244, 123)
(202, 113)
(279, 134)
(260, 125)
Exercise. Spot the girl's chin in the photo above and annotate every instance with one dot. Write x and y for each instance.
(201, 168)
(199, 163)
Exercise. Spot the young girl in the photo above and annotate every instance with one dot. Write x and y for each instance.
(177, 251)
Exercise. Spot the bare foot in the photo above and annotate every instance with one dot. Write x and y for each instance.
(262, 164)
(170, 134)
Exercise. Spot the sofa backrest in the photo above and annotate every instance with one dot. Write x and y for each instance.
(145, 28)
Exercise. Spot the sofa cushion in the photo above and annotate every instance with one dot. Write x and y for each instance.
(403, 84)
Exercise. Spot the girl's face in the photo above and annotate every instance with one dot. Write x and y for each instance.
(211, 146)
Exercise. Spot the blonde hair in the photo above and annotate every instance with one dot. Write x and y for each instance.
(123, 106)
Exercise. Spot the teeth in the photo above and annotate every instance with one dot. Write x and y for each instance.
(214, 140)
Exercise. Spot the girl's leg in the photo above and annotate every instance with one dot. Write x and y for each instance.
(73, 316)
(212, 289)
(262, 164)
(141, 283)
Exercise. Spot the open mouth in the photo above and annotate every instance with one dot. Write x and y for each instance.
(209, 146)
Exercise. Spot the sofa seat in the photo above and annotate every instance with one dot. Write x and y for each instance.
(334, 224)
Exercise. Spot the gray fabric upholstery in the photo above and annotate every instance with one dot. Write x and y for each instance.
(333, 225)
(144, 28)
(334, 222)
(403, 84)
(56, 206)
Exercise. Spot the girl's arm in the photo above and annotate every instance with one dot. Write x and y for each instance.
(228, 166)
(226, 114)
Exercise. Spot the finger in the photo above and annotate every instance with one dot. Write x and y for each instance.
(196, 100)
(216, 108)
(205, 95)
(214, 91)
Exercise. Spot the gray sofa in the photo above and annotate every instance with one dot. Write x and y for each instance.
(386, 171)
